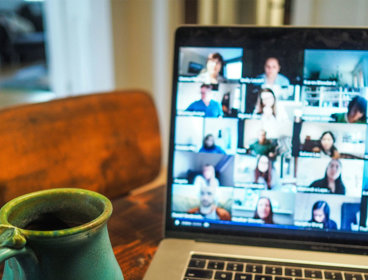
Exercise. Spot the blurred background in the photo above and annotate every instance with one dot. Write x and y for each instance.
(55, 48)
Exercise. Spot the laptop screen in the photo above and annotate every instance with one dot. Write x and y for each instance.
(269, 133)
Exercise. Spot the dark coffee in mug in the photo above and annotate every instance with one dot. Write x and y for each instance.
(55, 221)
(49, 212)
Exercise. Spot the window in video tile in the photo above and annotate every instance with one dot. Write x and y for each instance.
(332, 79)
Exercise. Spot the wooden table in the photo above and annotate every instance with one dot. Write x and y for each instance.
(136, 228)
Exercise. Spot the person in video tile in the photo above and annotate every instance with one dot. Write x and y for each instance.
(264, 210)
(211, 108)
(208, 191)
(265, 109)
(272, 74)
(321, 214)
(207, 178)
(272, 118)
(209, 146)
(326, 145)
(265, 174)
(228, 111)
(211, 74)
(357, 111)
(332, 180)
(266, 103)
(263, 146)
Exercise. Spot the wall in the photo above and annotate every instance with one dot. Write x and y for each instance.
(143, 32)
(132, 33)
(330, 12)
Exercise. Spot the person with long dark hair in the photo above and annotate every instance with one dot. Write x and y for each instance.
(264, 210)
(264, 173)
(321, 214)
(272, 116)
(332, 180)
(266, 103)
(326, 145)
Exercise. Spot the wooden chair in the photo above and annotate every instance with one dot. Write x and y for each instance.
(105, 142)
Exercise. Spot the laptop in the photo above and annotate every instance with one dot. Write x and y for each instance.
(267, 174)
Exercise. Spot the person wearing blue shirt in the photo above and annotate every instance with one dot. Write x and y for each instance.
(272, 76)
(272, 79)
(211, 108)
(209, 146)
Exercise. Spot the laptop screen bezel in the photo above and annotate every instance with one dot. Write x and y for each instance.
(204, 36)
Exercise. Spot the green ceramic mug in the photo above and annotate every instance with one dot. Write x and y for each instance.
(57, 234)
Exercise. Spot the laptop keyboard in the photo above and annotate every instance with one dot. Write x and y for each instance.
(210, 267)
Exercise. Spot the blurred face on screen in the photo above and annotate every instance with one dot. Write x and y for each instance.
(262, 136)
(319, 215)
(214, 67)
(208, 172)
(333, 169)
(206, 95)
(327, 142)
(209, 141)
(268, 100)
(207, 196)
(263, 164)
(272, 67)
(263, 208)
(355, 115)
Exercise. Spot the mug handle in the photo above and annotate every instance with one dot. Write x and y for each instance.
(12, 242)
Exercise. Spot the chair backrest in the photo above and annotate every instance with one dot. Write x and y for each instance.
(106, 142)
